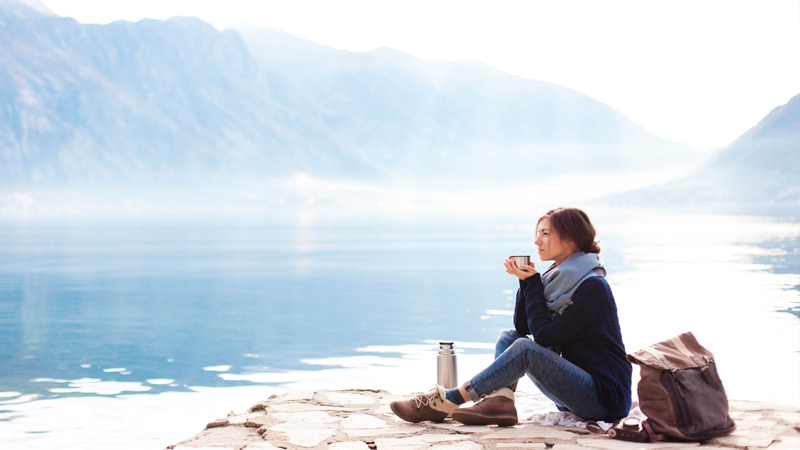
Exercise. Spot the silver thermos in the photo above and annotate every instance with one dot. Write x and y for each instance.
(446, 373)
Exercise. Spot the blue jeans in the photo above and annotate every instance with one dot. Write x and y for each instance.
(567, 385)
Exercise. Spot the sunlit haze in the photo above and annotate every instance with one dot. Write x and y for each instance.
(203, 204)
(700, 73)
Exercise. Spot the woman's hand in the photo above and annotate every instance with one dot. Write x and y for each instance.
(522, 273)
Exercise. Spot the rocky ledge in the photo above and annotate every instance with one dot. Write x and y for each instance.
(362, 420)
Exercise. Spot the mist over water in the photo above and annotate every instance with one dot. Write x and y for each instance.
(123, 310)
(192, 220)
(514, 193)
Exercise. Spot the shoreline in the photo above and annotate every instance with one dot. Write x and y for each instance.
(99, 422)
(361, 419)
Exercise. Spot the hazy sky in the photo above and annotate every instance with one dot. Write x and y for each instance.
(698, 72)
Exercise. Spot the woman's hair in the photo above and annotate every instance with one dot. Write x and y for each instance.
(573, 225)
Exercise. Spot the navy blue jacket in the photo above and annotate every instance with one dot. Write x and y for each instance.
(588, 333)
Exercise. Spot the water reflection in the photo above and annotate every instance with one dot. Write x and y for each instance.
(151, 309)
(782, 256)
(167, 301)
(710, 275)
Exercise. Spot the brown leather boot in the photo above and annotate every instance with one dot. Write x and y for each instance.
(432, 406)
(496, 408)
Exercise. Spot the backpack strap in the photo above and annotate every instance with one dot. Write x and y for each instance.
(594, 427)
(647, 429)
(676, 372)
(652, 436)
(704, 368)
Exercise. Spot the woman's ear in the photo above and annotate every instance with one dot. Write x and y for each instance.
(573, 246)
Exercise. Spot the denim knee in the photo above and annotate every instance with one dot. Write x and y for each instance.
(526, 345)
(506, 338)
(510, 334)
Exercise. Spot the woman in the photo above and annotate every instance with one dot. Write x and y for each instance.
(576, 357)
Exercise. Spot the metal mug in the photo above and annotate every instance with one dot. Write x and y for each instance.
(524, 260)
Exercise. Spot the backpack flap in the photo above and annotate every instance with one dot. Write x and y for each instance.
(676, 355)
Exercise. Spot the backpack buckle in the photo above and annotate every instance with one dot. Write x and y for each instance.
(709, 376)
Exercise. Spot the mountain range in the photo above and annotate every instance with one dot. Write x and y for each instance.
(758, 173)
(180, 102)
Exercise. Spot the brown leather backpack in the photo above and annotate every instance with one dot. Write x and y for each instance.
(680, 391)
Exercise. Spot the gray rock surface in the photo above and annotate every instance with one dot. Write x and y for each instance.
(361, 420)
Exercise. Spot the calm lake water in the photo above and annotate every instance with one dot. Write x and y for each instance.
(153, 315)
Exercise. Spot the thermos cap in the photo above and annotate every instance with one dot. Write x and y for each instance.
(446, 347)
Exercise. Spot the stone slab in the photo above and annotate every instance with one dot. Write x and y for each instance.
(183, 447)
(459, 428)
(304, 435)
(786, 443)
(567, 447)
(217, 423)
(384, 410)
(464, 445)
(788, 417)
(767, 426)
(751, 415)
(362, 421)
(616, 444)
(259, 421)
(579, 430)
(354, 445)
(226, 437)
(524, 445)
(530, 432)
(420, 442)
(439, 438)
(760, 406)
(295, 396)
(307, 428)
(297, 407)
(347, 398)
(242, 418)
(395, 419)
(307, 417)
(377, 432)
(261, 446)
(745, 438)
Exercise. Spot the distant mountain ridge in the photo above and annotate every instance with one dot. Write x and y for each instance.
(757, 173)
(94, 103)
(457, 108)
(177, 101)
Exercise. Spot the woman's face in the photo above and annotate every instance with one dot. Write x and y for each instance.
(550, 245)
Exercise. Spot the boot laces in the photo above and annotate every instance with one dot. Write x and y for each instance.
(426, 399)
